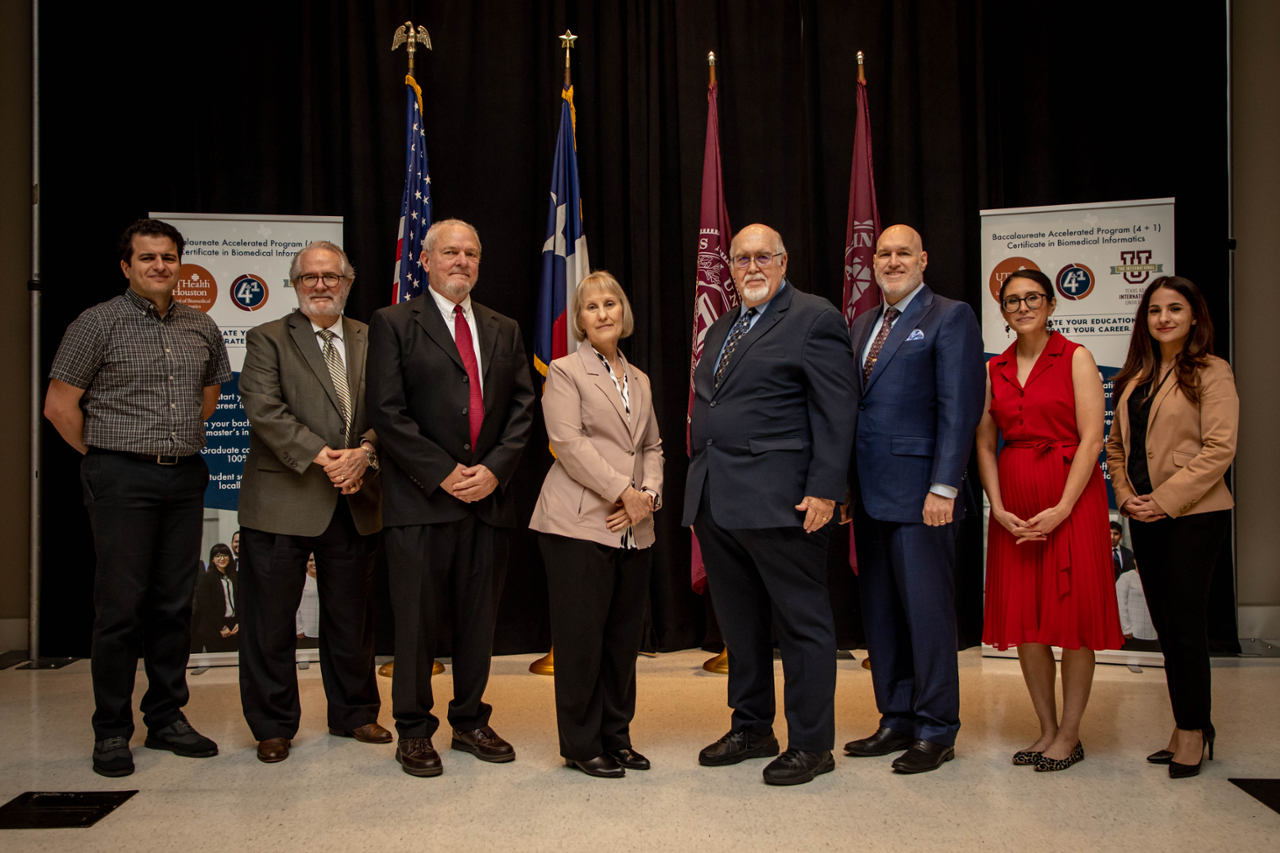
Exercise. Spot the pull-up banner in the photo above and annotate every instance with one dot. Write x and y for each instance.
(235, 268)
(1100, 258)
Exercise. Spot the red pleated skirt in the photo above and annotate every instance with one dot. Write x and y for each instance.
(1059, 592)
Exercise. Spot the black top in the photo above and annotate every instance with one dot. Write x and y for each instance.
(1139, 414)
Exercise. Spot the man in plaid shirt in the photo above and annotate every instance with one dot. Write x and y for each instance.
(132, 384)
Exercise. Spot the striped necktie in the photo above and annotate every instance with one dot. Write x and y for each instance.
(739, 329)
(338, 373)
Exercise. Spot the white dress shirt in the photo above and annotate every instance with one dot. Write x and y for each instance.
(339, 343)
(940, 489)
(742, 309)
(1135, 618)
(446, 310)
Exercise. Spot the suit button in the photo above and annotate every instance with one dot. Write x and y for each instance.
(862, 407)
(631, 453)
(713, 404)
(464, 410)
(710, 441)
(466, 447)
(1150, 455)
(464, 379)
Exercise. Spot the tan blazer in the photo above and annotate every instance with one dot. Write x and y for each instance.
(598, 451)
(1189, 447)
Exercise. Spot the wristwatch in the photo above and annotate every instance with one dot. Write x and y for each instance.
(371, 453)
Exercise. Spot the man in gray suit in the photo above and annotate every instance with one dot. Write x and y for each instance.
(309, 485)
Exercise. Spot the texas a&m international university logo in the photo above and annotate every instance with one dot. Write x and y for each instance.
(1075, 281)
(1136, 266)
(1004, 270)
(249, 292)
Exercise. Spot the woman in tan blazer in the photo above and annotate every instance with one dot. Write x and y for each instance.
(1172, 439)
(595, 520)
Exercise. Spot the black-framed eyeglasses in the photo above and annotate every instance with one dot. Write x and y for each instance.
(762, 260)
(312, 279)
(1011, 303)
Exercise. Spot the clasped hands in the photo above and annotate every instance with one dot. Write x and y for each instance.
(1037, 529)
(1144, 508)
(470, 484)
(345, 467)
(634, 506)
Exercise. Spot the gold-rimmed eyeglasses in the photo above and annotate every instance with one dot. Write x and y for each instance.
(1032, 300)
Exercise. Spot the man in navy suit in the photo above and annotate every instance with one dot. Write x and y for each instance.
(770, 436)
(921, 386)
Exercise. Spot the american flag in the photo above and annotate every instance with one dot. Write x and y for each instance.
(415, 206)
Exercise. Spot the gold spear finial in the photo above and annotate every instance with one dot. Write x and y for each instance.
(406, 35)
(711, 61)
(861, 77)
(567, 42)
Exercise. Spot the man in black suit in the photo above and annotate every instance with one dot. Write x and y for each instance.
(451, 398)
(1121, 557)
(770, 440)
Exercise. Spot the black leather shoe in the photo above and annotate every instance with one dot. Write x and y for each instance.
(795, 767)
(602, 767)
(180, 739)
(1164, 756)
(484, 744)
(112, 757)
(923, 756)
(883, 742)
(418, 757)
(738, 746)
(629, 758)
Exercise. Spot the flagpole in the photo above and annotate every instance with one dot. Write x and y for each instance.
(546, 665)
(862, 78)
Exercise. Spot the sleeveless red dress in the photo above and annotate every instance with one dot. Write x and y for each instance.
(1061, 591)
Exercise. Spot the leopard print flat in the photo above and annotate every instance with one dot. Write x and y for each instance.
(1051, 764)
(1026, 757)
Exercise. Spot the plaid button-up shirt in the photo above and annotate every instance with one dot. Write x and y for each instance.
(143, 375)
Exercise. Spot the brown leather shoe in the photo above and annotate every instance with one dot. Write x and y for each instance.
(418, 757)
(484, 744)
(368, 733)
(273, 749)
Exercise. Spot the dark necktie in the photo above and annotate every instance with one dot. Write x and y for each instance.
(338, 373)
(890, 314)
(739, 329)
(1115, 555)
(466, 349)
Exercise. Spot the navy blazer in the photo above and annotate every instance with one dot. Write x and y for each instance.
(917, 414)
(780, 425)
(418, 396)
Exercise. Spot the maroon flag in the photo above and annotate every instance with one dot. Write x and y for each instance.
(860, 291)
(714, 292)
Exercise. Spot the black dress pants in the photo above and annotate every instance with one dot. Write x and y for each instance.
(273, 571)
(146, 521)
(1175, 558)
(598, 596)
(458, 565)
(775, 575)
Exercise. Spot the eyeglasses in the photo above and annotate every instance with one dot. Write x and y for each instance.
(762, 261)
(312, 279)
(1011, 303)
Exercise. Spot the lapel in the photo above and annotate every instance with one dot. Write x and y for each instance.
(1048, 357)
(635, 391)
(305, 338)
(1006, 365)
(920, 306)
(773, 313)
(429, 318)
(600, 377)
(863, 332)
(487, 329)
(1170, 383)
(357, 346)
(711, 344)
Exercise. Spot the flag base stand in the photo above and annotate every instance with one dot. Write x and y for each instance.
(544, 665)
(718, 664)
(388, 669)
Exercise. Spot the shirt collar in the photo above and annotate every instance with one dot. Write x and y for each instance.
(906, 300)
(336, 328)
(742, 309)
(144, 304)
(446, 305)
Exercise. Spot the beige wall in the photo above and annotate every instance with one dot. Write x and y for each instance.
(15, 337)
(1256, 209)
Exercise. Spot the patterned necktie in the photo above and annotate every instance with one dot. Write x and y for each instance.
(890, 315)
(466, 349)
(735, 334)
(338, 373)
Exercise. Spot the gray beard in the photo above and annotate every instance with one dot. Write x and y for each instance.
(335, 310)
(912, 283)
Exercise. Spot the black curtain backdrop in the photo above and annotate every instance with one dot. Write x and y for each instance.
(297, 108)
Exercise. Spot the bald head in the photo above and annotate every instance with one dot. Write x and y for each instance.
(758, 261)
(900, 261)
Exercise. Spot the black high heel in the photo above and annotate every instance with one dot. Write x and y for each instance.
(1186, 771)
(1164, 756)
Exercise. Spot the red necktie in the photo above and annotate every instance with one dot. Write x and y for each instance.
(466, 349)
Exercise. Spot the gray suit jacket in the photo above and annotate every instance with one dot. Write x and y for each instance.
(293, 413)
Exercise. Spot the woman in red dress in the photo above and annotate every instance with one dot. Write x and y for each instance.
(1049, 570)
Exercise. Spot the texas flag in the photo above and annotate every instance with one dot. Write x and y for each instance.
(564, 254)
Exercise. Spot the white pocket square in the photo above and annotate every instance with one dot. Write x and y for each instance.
(916, 335)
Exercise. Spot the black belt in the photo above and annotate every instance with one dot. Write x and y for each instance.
(154, 458)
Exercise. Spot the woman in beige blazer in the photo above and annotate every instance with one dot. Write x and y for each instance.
(595, 520)
(1172, 439)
